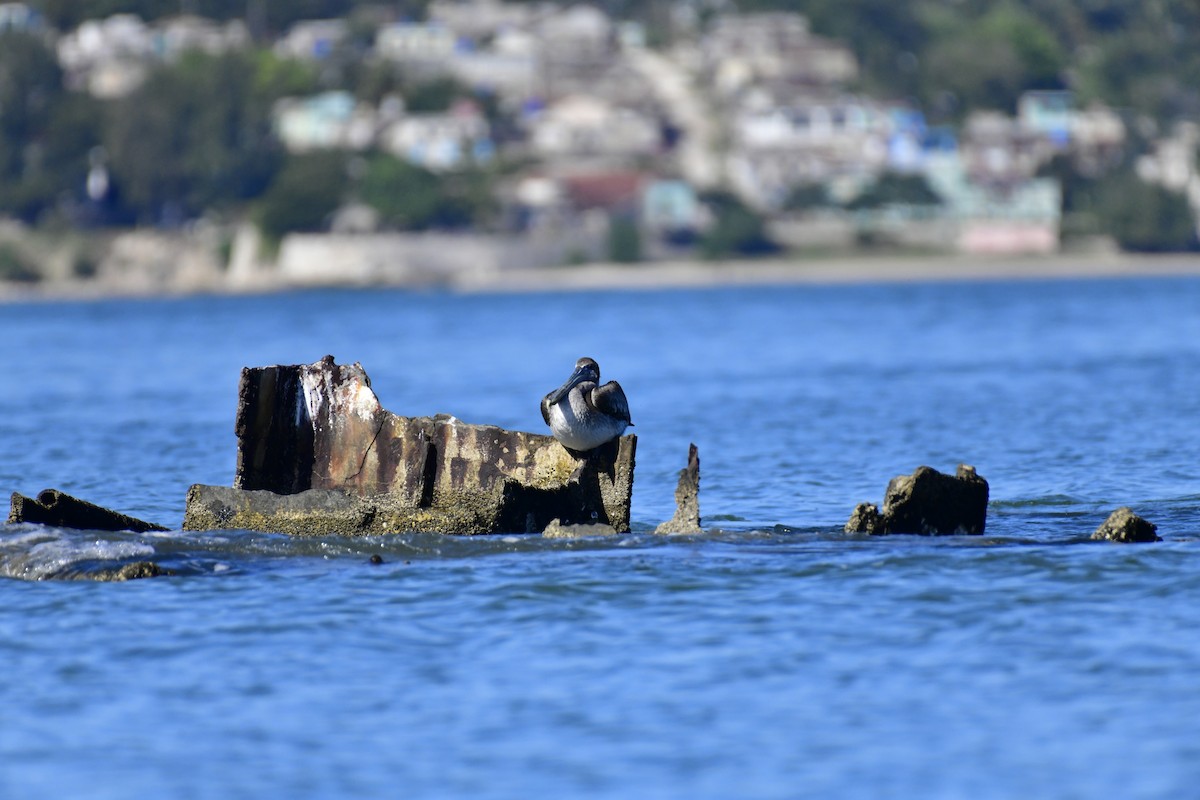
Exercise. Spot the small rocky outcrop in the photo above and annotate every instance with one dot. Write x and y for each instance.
(927, 502)
(1125, 526)
(865, 519)
(687, 499)
(317, 453)
(52, 507)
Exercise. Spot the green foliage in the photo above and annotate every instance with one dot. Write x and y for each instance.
(15, 267)
(624, 241)
(195, 135)
(303, 195)
(433, 96)
(375, 80)
(989, 61)
(275, 77)
(45, 131)
(807, 196)
(1144, 217)
(896, 189)
(736, 229)
(409, 197)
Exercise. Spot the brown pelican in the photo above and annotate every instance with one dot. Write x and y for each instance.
(581, 413)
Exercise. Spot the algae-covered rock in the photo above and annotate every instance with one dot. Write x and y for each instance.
(320, 427)
(929, 503)
(1125, 526)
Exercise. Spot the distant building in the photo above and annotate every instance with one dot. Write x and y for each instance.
(670, 207)
(440, 142)
(1093, 137)
(416, 42)
(1019, 216)
(481, 19)
(313, 40)
(576, 46)
(107, 57)
(178, 35)
(999, 150)
(1172, 164)
(1049, 113)
(19, 17)
(584, 125)
(811, 138)
(613, 192)
(741, 50)
(324, 121)
(110, 58)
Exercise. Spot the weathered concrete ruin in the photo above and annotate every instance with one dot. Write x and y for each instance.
(1125, 526)
(927, 502)
(52, 507)
(687, 498)
(318, 454)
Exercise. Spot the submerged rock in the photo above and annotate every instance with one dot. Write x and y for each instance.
(687, 499)
(1123, 525)
(52, 507)
(927, 502)
(126, 572)
(556, 530)
(317, 453)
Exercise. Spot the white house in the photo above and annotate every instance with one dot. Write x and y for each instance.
(324, 121)
(441, 142)
(416, 42)
(743, 49)
(178, 35)
(313, 40)
(584, 125)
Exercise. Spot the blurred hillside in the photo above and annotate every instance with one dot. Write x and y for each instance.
(617, 130)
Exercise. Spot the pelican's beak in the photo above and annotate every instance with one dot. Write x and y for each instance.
(580, 375)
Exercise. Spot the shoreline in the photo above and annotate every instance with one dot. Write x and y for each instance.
(831, 271)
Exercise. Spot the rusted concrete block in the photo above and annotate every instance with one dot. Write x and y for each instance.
(52, 507)
(321, 427)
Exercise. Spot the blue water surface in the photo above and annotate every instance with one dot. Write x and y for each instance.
(773, 656)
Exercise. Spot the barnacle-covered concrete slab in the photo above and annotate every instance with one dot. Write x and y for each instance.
(307, 430)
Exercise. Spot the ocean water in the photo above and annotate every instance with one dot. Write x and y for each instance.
(771, 657)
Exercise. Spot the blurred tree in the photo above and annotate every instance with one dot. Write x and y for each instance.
(807, 196)
(736, 229)
(435, 95)
(196, 135)
(1145, 217)
(989, 62)
(304, 194)
(409, 197)
(894, 188)
(45, 131)
(624, 240)
(15, 267)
